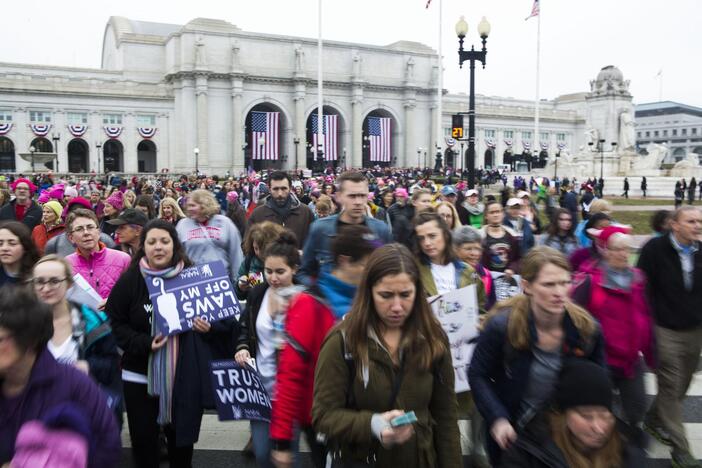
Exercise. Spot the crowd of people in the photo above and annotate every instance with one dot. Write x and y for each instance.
(336, 272)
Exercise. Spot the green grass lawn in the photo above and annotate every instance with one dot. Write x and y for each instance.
(641, 201)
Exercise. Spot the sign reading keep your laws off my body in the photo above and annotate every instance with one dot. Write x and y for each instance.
(203, 291)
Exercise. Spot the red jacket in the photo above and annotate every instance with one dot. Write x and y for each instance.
(625, 317)
(307, 323)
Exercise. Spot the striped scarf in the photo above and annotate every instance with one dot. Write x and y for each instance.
(162, 362)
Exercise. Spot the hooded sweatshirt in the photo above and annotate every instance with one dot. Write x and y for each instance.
(217, 239)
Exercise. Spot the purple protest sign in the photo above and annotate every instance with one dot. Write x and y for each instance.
(239, 392)
(200, 291)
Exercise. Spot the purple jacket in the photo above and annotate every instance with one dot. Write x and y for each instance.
(51, 384)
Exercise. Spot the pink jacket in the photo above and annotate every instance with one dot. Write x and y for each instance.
(625, 316)
(102, 269)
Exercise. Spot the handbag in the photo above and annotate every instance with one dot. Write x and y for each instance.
(334, 461)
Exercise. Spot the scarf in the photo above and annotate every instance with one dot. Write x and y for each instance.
(475, 210)
(281, 211)
(163, 362)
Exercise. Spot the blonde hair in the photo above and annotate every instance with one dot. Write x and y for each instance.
(454, 213)
(325, 204)
(520, 306)
(609, 456)
(67, 269)
(177, 211)
(127, 197)
(207, 201)
(600, 206)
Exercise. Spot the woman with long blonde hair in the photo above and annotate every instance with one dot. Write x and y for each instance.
(579, 430)
(170, 211)
(522, 346)
(389, 352)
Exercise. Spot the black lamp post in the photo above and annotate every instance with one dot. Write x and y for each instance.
(419, 155)
(471, 55)
(296, 140)
(462, 161)
(601, 142)
(98, 146)
(56, 137)
(197, 160)
(555, 172)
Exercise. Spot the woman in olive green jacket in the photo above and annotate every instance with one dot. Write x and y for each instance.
(389, 356)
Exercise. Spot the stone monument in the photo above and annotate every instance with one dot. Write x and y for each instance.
(688, 167)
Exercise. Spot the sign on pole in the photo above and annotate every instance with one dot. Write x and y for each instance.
(457, 311)
(239, 392)
(505, 286)
(203, 291)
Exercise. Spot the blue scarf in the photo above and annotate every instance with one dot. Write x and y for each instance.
(337, 293)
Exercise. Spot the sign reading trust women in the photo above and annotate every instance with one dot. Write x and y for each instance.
(199, 291)
(239, 392)
(457, 312)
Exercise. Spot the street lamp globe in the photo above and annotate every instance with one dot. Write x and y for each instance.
(484, 28)
(462, 27)
(196, 151)
(32, 149)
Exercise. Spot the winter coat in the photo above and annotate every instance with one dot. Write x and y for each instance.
(429, 393)
(32, 215)
(401, 222)
(624, 316)
(217, 239)
(248, 338)
(317, 251)
(61, 246)
(130, 311)
(101, 269)
(535, 447)
(499, 374)
(298, 220)
(566, 245)
(41, 235)
(525, 236)
(296, 364)
(52, 384)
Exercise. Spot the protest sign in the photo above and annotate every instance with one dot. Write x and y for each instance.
(200, 291)
(506, 287)
(457, 312)
(239, 392)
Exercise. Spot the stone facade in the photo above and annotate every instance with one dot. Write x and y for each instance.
(196, 85)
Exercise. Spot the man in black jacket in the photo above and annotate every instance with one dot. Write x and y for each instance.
(22, 208)
(673, 265)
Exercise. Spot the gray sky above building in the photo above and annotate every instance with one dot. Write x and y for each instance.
(578, 37)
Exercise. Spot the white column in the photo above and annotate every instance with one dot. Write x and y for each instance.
(410, 147)
(60, 128)
(357, 128)
(96, 135)
(237, 161)
(129, 143)
(21, 135)
(300, 130)
(202, 122)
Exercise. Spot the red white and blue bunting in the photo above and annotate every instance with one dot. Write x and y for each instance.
(544, 145)
(508, 142)
(450, 142)
(113, 132)
(526, 144)
(77, 130)
(490, 142)
(561, 145)
(5, 128)
(40, 129)
(147, 132)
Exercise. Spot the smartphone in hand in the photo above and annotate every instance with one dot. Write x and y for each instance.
(407, 418)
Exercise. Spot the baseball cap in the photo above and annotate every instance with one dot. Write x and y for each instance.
(522, 194)
(129, 216)
(471, 192)
(514, 201)
(448, 190)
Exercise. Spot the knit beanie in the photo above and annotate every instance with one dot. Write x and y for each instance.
(56, 192)
(70, 192)
(116, 200)
(583, 383)
(43, 197)
(55, 207)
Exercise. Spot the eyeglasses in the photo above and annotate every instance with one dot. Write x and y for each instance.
(51, 282)
(82, 229)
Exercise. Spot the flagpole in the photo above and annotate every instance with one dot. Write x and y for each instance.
(439, 112)
(537, 136)
(320, 121)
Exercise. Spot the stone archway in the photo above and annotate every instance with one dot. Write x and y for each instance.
(335, 153)
(7, 155)
(261, 152)
(146, 156)
(379, 135)
(489, 160)
(78, 160)
(42, 145)
(113, 156)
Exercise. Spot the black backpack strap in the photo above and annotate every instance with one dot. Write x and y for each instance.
(351, 365)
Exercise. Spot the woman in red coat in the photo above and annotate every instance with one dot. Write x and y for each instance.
(51, 225)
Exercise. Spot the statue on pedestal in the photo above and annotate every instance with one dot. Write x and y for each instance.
(409, 71)
(592, 136)
(654, 158)
(299, 59)
(626, 131)
(200, 57)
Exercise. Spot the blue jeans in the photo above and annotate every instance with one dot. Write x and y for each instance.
(262, 445)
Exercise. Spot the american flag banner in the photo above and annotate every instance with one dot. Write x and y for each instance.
(264, 135)
(379, 138)
(534, 10)
(329, 131)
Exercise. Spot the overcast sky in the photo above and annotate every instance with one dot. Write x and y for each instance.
(578, 37)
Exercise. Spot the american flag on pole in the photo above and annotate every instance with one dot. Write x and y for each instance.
(329, 130)
(264, 135)
(379, 138)
(534, 10)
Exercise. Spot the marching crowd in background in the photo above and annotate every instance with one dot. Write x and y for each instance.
(335, 272)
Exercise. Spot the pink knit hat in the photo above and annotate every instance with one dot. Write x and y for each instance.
(56, 192)
(116, 200)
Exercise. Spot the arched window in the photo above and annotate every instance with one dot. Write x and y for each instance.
(7, 155)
